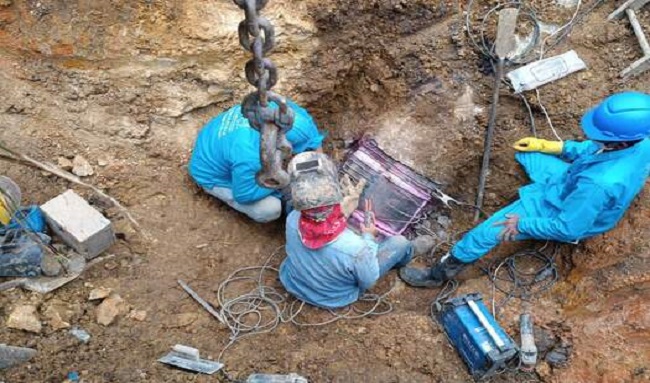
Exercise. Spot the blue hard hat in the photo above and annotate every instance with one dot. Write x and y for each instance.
(621, 117)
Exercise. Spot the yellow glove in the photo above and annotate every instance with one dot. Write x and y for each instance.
(5, 216)
(532, 144)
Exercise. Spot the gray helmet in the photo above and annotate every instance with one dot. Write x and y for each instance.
(314, 181)
(10, 192)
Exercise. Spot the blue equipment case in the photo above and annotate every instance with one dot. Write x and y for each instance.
(476, 335)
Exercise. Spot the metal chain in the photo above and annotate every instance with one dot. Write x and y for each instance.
(257, 35)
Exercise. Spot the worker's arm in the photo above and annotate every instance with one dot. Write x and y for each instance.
(245, 189)
(572, 150)
(366, 268)
(580, 211)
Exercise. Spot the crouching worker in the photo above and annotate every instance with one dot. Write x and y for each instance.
(327, 264)
(226, 158)
(578, 190)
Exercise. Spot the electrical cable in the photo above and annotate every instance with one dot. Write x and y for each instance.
(264, 307)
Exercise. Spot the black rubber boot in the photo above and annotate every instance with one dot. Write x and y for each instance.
(434, 277)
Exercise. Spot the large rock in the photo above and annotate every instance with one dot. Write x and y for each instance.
(12, 356)
(110, 309)
(24, 318)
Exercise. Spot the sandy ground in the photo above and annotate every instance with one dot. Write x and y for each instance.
(128, 84)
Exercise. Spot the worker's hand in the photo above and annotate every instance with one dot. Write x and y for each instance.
(368, 226)
(351, 195)
(532, 144)
(511, 229)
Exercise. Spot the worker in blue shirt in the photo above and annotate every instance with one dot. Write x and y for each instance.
(226, 158)
(328, 265)
(578, 189)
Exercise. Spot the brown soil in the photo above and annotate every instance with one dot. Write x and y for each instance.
(127, 84)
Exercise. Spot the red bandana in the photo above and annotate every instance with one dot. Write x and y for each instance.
(321, 225)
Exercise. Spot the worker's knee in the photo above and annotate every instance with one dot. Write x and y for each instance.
(267, 210)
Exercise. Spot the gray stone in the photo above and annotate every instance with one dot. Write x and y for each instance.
(78, 224)
(423, 244)
(50, 267)
(12, 356)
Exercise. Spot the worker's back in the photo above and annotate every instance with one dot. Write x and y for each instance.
(228, 145)
(621, 174)
(326, 277)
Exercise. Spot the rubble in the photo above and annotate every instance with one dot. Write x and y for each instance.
(50, 266)
(65, 164)
(108, 311)
(81, 167)
(24, 318)
(99, 293)
(138, 315)
(55, 318)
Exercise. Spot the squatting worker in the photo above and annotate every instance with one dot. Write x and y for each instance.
(226, 158)
(327, 264)
(578, 190)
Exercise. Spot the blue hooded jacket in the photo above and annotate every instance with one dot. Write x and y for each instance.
(590, 197)
(226, 153)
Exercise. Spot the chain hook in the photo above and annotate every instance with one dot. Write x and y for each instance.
(257, 35)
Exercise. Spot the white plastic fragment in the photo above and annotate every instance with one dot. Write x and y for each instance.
(541, 72)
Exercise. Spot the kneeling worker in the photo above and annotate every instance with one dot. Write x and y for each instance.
(327, 264)
(226, 158)
(579, 189)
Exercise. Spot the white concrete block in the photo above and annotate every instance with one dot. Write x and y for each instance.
(78, 224)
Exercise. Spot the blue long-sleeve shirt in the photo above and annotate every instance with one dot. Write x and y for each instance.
(333, 276)
(591, 197)
(226, 153)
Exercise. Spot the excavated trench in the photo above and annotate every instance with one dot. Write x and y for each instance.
(127, 85)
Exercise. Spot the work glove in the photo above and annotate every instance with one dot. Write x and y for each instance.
(351, 195)
(532, 144)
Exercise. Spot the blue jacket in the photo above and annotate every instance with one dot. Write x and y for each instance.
(226, 153)
(590, 197)
(333, 276)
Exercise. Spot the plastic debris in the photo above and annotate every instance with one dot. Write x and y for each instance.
(541, 72)
(269, 378)
(187, 358)
(80, 334)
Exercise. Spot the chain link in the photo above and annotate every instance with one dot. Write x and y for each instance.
(257, 35)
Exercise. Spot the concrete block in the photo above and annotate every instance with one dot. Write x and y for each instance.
(78, 224)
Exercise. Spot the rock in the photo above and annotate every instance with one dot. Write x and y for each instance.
(110, 309)
(182, 320)
(12, 356)
(423, 244)
(99, 293)
(81, 167)
(543, 370)
(138, 315)
(444, 221)
(65, 164)
(50, 267)
(24, 318)
(55, 318)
